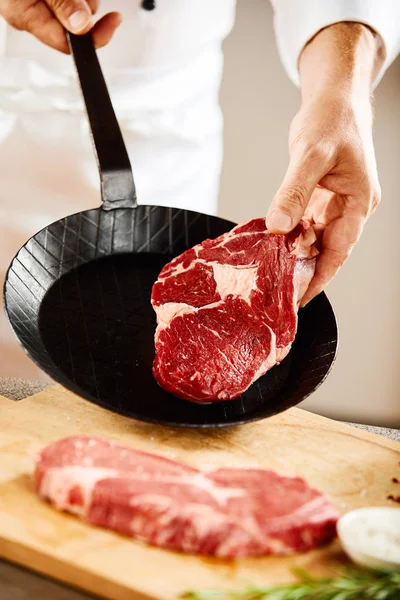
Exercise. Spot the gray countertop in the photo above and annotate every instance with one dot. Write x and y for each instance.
(16, 583)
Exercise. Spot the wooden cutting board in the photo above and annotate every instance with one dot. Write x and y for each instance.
(354, 467)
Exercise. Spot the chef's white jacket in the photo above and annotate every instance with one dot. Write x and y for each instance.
(164, 70)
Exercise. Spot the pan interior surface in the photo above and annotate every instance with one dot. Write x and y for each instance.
(97, 325)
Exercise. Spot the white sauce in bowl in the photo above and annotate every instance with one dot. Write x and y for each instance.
(371, 536)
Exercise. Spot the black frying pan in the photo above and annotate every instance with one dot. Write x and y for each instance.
(78, 293)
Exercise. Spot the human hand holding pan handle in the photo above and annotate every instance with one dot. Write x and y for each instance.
(48, 19)
(78, 293)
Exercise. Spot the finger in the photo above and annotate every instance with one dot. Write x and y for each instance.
(338, 241)
(75, 15)
(305, 170)
(41, 22)
(324, 207)
(328, 264)
(94, 5)
(105, 28)
(49, 31)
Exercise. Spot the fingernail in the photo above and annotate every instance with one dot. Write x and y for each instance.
(78, 20)
(279, 221)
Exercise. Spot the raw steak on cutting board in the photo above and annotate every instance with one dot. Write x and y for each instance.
(224, 512)
(227, 310)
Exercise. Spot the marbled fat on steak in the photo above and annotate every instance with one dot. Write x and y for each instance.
(225, 512)
(227, 310)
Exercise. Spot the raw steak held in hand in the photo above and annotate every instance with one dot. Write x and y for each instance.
(227, 310)
(220, 512)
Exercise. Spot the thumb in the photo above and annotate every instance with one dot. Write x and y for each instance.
(74, 15)
(303, 175)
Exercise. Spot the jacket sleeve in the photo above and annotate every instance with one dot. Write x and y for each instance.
(297, 21)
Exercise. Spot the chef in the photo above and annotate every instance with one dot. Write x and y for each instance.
(164, 70)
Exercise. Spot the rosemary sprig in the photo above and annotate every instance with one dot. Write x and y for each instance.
(353, 584)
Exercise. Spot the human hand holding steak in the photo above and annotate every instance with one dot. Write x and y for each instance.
(332, 179)
(47, 19)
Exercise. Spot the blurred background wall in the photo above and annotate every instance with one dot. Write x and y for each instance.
(258, 102)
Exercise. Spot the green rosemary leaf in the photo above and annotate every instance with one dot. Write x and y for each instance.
(204, 595)
(352, 584)
(303, 575)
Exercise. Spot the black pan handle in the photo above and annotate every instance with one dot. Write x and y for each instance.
(116, 178)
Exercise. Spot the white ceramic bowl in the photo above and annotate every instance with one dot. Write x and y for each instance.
(363, 531)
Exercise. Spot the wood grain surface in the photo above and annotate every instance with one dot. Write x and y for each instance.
(354, 467)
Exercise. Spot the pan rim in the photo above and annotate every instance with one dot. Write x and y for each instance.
(59, 377)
